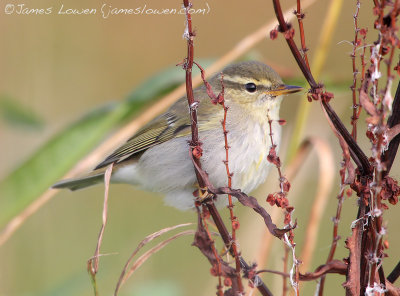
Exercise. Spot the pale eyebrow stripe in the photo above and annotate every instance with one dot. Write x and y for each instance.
(243, 80)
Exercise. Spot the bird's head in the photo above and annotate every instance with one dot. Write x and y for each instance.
(254, 86)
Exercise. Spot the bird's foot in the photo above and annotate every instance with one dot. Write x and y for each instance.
(203, 194)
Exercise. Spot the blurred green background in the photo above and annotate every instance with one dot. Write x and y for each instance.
(56, 68)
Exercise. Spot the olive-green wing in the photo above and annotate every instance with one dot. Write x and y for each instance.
(159, 130)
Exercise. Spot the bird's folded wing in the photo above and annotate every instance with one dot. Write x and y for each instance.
(159, 130)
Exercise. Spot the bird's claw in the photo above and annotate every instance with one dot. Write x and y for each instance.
(203, 194)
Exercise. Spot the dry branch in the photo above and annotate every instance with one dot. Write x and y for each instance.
(370, 181)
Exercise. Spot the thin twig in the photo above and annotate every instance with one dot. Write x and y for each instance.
(356, 43)
(234, 221)
(321, 54)
(284, 27)
(93, 262)
(300, 16)
(144, 242)
(220, 99)
(142, 259)
(218, 259)
(195, 145)
(357, 154)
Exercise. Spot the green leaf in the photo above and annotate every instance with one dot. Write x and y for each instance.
(15, 114)
(52, 160)
(64, 150)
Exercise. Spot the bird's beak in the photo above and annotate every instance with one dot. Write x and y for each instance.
(283, 90)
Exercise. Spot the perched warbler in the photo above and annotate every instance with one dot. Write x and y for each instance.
(157, 157)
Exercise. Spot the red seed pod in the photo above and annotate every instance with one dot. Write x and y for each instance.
(273, 158)
(289, 209)
(390, 190)
(284, 202)
(273, 34)
(197, 152)
(213, 270)
(289, 33)
(227, 282)
(287, 219)
(282, 121)
(315, 96)
(221, 99)
(386, 244)
(271, 199)
(280, 202)
(286, 185)
(385, 50)
(291, 239)
(235, 225)
(397, 68)
(327, 96)
(363, 32)
(349, 192)
(370, 135)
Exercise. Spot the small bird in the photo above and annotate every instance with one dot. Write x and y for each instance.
(157, 156)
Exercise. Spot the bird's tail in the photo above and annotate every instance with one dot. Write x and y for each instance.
(79, 183)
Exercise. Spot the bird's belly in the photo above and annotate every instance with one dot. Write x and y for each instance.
(247, 159)
(167, 168)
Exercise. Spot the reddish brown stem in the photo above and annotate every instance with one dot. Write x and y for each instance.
(389, 155)
(284, 188)
(356, 42)
(283, 27)
(220, 99)
(262, 288)
(214, 250)
(285, 269)
(188, 65)
(300, 16)
(234, 221)
(366, 244)
(356, 153)
(199, 173)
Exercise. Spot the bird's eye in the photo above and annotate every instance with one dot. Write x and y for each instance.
(251, 87)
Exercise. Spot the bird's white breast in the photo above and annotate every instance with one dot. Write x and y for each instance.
(167, 167)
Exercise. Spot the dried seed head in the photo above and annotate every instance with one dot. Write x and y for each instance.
(271, 199)
(235, 225)
(363, 32)
(349, 192)
(273, 34)
(227, 282)
(197, 152)
(214, 270)
(282, 121)
(289, 34)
